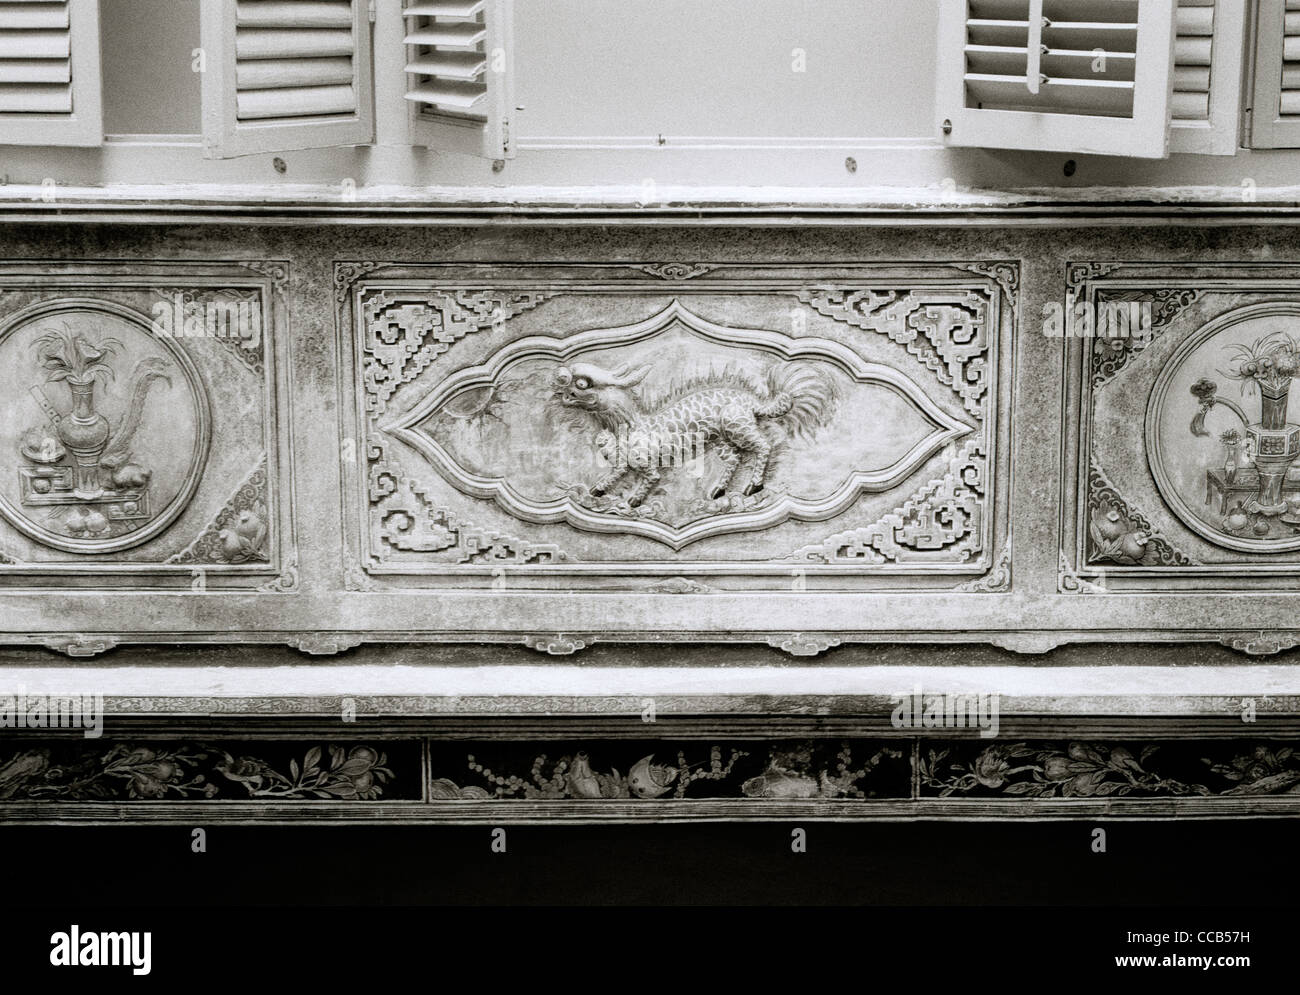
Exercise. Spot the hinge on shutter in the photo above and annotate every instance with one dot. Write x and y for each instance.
(370, 11)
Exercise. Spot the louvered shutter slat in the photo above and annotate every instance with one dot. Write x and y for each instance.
(1289, 99)
(1059, 75)
(447, 63)
(294, 59)
(44, 97)
(290, 74)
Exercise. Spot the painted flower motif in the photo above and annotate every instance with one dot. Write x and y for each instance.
(1204, 390)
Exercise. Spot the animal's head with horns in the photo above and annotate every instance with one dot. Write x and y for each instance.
(606, 394)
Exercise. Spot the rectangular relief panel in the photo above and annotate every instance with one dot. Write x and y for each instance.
(1182, 437)
(140, 445)
(679, 427)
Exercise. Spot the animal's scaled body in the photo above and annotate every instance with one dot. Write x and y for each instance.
(726, 414)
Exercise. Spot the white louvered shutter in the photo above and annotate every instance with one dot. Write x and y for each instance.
(1208, 49)
(459, 71)
(1275, 117)
(285, 74)
(49, 73)
(1089, 76)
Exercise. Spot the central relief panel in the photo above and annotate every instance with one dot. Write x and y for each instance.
(674, 427)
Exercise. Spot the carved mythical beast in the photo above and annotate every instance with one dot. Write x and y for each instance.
(726, 413)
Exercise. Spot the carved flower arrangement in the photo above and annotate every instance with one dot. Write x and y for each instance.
(65, 355)
(1271, 361)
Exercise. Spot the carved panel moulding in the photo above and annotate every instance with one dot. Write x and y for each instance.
(561, 427)
(1181, 442)
(142, 425)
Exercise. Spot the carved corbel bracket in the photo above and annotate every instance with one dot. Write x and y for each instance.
(555, 644)
(326, 643)
(1262, 642)
(803, 643)
(80, 646)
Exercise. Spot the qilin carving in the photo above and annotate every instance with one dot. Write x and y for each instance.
(404, 336)
(1119, 533)
(944, 515)
(946, 330)
(726, 414)
(241, 531)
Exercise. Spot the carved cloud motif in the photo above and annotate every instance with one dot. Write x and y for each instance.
(675, 428)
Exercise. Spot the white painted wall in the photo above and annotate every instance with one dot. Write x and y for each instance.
(601, 81)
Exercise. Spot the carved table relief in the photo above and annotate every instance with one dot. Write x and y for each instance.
(1181, 434)
(140, 425)
(578, 427)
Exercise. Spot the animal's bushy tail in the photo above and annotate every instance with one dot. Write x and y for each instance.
(802, 397)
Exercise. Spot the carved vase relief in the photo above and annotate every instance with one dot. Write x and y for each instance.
(693, 418)
(140, 429)
(115, 434)
(1227, 469)
(1187, 438)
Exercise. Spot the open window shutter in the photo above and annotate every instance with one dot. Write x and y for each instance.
(1207, 76)
(460, 79)
(1275, 116)
(1088, 76)
(49, 73)
(285, 74)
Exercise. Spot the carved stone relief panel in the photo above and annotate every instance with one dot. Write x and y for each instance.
(140, 426)
(677, 427)
(1182, 438)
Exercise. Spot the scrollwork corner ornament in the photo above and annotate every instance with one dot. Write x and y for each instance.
(347, 274)
(275, 269)
(1069, 582)
(803, 643)
(287, 582)
(556, 644)
(1262, 642)
(996, 581)
(1005, 274)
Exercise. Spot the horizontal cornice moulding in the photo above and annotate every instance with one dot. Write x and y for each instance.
(552, 687)
(281, 203)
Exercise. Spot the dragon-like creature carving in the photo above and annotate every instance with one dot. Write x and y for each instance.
(726, 413)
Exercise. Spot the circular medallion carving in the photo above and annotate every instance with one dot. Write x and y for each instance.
(1222, 432)
(107, 423)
